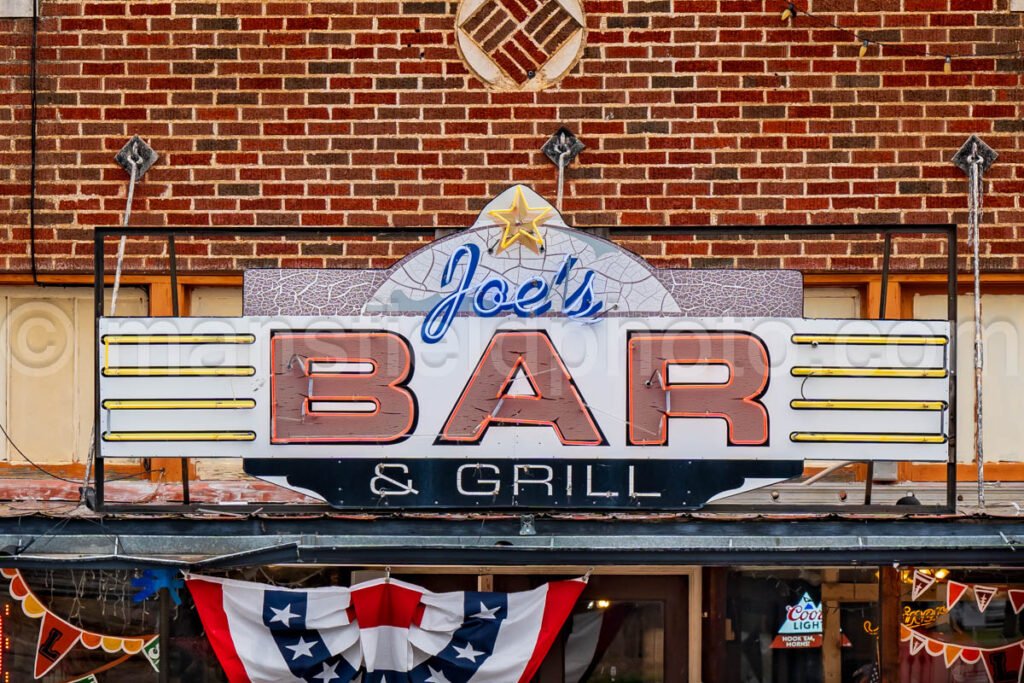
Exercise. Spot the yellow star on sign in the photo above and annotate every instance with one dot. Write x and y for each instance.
(521, 224)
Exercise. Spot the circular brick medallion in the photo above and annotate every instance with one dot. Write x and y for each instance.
(520, 44)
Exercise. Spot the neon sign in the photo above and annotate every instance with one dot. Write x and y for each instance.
(495, 296)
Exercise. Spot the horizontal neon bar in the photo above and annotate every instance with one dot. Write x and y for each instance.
(867, 405)
(868, 339)
(237, 371)
(857, 437)
(179, 436)
(180, 339)
(868, 372)
(178, 404)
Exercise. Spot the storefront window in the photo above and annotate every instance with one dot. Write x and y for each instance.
(963, 627)
(795, 626)
(616, 642)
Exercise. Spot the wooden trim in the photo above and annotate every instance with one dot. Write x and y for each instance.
(57, 280)
(889, 633)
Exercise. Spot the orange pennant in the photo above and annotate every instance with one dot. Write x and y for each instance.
(56, 638)
(951, 653)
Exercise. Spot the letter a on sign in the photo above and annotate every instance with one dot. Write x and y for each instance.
(653, 399)
(342, 387)
(554, 400)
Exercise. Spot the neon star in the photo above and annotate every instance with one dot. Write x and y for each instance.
(467, 652)
(283, 615)
(521, 223)
(301, 648)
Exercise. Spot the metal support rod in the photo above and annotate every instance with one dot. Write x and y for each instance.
(165, 636)
(172, 253)
(953, 251)
(975, 199)
(97, 432)
(869, 477)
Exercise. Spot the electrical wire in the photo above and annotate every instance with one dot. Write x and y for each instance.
(32, 462)
(796, 13)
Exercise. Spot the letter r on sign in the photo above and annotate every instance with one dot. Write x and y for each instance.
(653, 399)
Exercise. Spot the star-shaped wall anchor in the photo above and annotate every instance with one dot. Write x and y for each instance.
(522, 224)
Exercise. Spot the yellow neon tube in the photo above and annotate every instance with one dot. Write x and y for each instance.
(874, 340)
(867, 405)
(180, 339)
(178, 404)
(179, 436)
(868, 372)
(237, 371)
(847, 437)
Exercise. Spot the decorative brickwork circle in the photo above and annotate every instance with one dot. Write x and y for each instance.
(520, 44)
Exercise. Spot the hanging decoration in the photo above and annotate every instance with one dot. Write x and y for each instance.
(983, 596)
(998, 661)
(57, 637)
(394, 630)
(153, 581)
(922, 582)
(1016, 599)
(91, 678)
(954, 591)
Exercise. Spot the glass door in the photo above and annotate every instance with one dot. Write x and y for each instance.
(624, 629)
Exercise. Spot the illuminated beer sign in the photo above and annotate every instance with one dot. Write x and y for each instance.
(521, 363)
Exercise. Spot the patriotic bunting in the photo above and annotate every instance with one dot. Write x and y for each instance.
(1002, 664)
(390, 631)
(922, 582)
(983, 596)
(57, 637)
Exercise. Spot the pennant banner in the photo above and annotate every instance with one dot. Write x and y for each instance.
(922, 582)
(954, 591)
(57, 637)
(1003, 664)
(983, 596)
(1016, 600)
(395, 631)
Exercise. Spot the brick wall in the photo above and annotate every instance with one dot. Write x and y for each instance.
(362, 114)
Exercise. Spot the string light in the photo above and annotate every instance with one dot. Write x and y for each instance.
(791, 11)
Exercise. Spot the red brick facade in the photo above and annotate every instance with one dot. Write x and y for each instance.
(694, 112)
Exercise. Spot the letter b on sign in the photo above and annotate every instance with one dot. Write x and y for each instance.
(341, 387)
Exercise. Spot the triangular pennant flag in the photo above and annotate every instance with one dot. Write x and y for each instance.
(922, 582)
(1016, 600)
(56, 638)
(917, 641)
(983, 595)
(951, 653)
(954, 591)
(152, 653)
(91, 678)
(1003, 665)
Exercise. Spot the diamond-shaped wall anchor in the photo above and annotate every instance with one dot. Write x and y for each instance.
(962, 159)
(562, 147)
(138, 151)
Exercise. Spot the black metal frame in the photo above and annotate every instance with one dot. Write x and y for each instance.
(717, 232)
